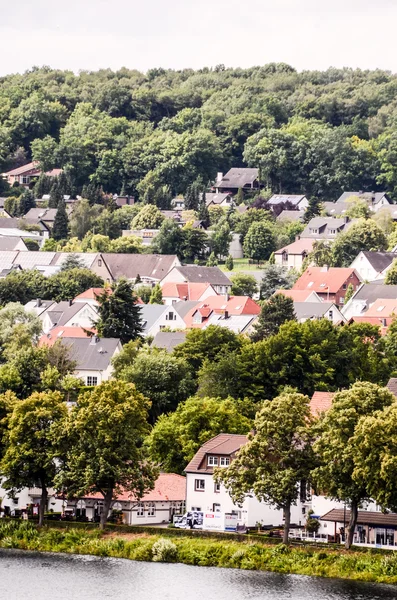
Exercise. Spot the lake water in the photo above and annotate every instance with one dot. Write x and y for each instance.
(32, 576)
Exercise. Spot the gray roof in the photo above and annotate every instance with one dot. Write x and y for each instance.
(335, 208)
(197, 274)
(324, 225)
(150, 313)
(236, 323)
(9, 242)
(62, 312)
(392, 385)
(91, 354)
(370, 197)
(370, 292)
(155, 266)
(310, 310)
(290, 215)
(14, 223)
(380, 260)
(45, 214)
(183, 307)
(238, 178)
(213, 198)
(169, 339)
(281, 198)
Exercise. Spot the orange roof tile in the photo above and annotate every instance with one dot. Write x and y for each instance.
(185, 291)
(225, 444)
(296, 295)
(234, 305)
(382, 307)
(57, 333)
(91, 293)
(298, 247)
(322, 280)
(321, 402)
(168, 487)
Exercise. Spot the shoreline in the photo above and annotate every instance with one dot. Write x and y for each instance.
(368, 566)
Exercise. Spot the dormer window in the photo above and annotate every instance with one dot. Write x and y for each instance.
(224, 461)
(212, 461)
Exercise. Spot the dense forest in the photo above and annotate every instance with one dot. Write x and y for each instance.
(312, 132)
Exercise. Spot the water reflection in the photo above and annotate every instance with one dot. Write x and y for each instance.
(31, 576)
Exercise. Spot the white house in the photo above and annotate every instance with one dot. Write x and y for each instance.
(93, 357)
(372, 266)
(299, 202)
(366, 296)
(16, 505)
(156, 317)
(310, 311)
(374, 200)
(196, 274)
(293, 255)
(68, 314)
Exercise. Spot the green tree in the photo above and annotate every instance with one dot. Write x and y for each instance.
(22, 286)
(33, 445)
(15, 321)
(391, 275)
(26, 202)
(56, 195)
(194, 243)
(363, 235)
(321, 254)
(177, 436)
(239, 199)
(220, 239)
(313, 209)
(357, 208)
(349, 293)
(229, 263)
(156, 297)
(149, 217)
(104, 435)
(83, 218)
(337, 439)
(276, 458)
(7, 402)
(259, 242)
(169, 239)
(119, 314)
(126, 245)
(274, 312)
(60, 230)
(275, 278)
(243, 285)
(68, 284)
(162, 377)
(72, 261)
(203, 212)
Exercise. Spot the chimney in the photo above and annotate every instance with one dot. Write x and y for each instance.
(38, 302)
(94, 340)
(227, 297)
(70, 302)
(219, 177)
(226, 314)
(324, 269)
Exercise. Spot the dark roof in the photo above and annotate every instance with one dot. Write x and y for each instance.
(370, 292)
(13, 223)
(373, 197)
(45, 214)
(290, 215)
(225, 444)
(392, 385)
(155, 266)
(169, 340)
(365, 517)
(184, 306)
(62, 312)
(309, 310)
(92, 354)
(380, 260)
(282, 198)
(238, 178)
(214, 198)
(212, 275)
(9, 242)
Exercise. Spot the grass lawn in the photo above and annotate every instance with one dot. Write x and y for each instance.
(242, 264)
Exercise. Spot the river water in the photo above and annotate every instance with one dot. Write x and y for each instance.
(32, 576)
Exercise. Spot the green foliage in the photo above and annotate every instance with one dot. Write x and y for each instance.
(349, 293)
(176, 437)
(274, 312)
(391, 275)
(243, 285)
(156, 297)
(229, 263)
(119, 314)
(149, 217)
(201, 344)
(220, 239)
(68, 284)
(274, 278)
(259, 242)
(363, 235)
(60, 228)
(164, 551)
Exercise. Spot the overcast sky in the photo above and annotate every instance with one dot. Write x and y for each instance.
(93, 34)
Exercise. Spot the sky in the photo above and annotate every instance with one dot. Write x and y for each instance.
(94, 34)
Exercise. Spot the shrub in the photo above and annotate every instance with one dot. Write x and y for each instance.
(164, 551)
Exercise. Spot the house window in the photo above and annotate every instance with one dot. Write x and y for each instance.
(331, 315)
(140, 510)
(341, 300)
(25, 180)
(225, 461)
(344, 286)
(92, 380)
(151, 509)
(212, 461)
(216, 507)
(99, 262)
(199, 485)
(217, 488)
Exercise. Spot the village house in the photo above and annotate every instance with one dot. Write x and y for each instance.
(300, 295)
(168, 340)
(151, 268)
(374, 527)
(218, 309)
(44, 216)
(372, 266)
(365, 297)
(175, 292)
(310, 311)
(10, 243)
(17, 224)
(375, 200)
(293, 255)
(326, 228)
(93, 357)
(381, 313)
(224, 200)
(68, 314)
(196, 274)
(28, 174)
(156, 317)
(156, 507)
(292, 216)
(329, 283)
(299, 202)
(237, 178)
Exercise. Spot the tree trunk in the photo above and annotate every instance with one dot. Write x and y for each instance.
(43, 504)
(287, 522)
(107, 501)
(352, 524)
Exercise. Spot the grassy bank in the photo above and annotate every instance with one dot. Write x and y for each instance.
(371, 565)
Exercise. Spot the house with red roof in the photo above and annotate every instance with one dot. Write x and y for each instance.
(329, 283)
(293, 255)
(90, 295)
(155, 507)
(27, 174)
(381, 313)
(226, 306)
(300, 295)
(190, 291)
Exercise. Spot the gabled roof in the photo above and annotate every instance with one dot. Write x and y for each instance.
(300, 295)
(168, 340)
(185, 291)
(370, 292)
(220, 305)
(9, 242)
(214, 198)
(281, 198)
(236, 323)
(14, 223)
(150, 314)
(392, 385)
(24, 169)
(321, 402)
(238, 178)
(184, 306)
(365, 517)
(382, 307)
(58, 333)
(226, 444)
(370, 197)
(169, 487)
(91, 354)
(323, 280)
(92, 293)
(298, 247)
(196, 274)
(290, 215)
(155, 266)
(60, 313)
(313, 310)
(44, 214)
(379, 260)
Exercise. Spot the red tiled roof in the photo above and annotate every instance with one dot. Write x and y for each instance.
(321, 402)
(298, 247)
(49, 339)
(378, 321)
(185, 291)
(322, 280)
(296, 295)
(234, 305)
(382, 307)
(91, 293)
(168, 487)
(224, 444)
(20, 170)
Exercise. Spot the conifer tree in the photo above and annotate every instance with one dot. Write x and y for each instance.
(26, 202)
(119, 314)
(203, 212)
(156, 297)
(61, 223)
(56, 196)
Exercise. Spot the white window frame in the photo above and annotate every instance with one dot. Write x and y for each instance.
(217, 487)
(212, 461)
(225, 461)
(199, 485)
(151, 509)
(92, 380)
(140, 510)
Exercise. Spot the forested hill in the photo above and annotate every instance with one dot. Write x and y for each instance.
(312, 132)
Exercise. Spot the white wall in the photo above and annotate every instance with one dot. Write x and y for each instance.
(175, 323)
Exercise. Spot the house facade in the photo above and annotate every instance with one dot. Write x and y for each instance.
(293, 255)
(329, 283)
(235, 179)
(372, 266)
(300, 202)
(196, 274)
(27, 174)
